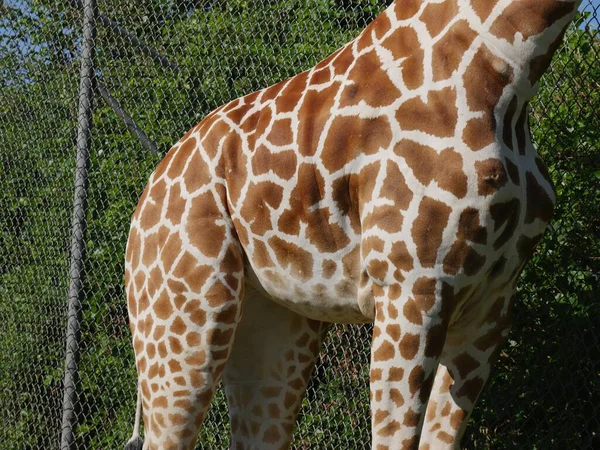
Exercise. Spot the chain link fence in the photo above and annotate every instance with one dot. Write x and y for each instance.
(160, 66)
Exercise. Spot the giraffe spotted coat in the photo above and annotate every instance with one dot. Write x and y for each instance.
(395, 182)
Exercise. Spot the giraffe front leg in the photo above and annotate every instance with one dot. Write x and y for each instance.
(268, 371)
(408, 337)
(469, 352)
(186, 315)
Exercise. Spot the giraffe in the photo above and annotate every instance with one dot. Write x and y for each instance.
(394, 183)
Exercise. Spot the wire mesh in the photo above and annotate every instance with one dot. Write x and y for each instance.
(162, 65)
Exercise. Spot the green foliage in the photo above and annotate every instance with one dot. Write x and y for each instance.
(225, 49)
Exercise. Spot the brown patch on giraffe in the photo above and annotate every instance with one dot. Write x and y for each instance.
(364, 183)
(290, 256)
(384, 352)
(471, 389)
(395, 374)
(151, 212)
(281, 132)
(291, 94)
(173, 163)
(436, 16)
(406, 9)
(170, 251)
(201, 227)
(540, 64)
(233, 163)
(178, 326)
(308, 191)
(431, 411)
(195, 176)
(150, 350)
(412, 312)
(132, 254)
(194, 275)
(249, 122)
(390, 429)
(372, 84)
(218, 337)
(395, 187)
(218, 295)
(427, 165)
(526, 246)
(393, 331)
(539, 204)
(521, 130)
(175, 345)
(271, 435)
(176, 204)
(238, 111)
(162, 350)
(449, 51)
(457, 418)
(159, 332)
(394, 291)
(274, 411)
(445, 437)
(428, 228)
(505, 215)
(313, 114)
(257, 125)
(193, 339)
(461, 254)
(480, 132)
(211, 138)
(195, 312)
(544, 173)
(380, 416)
(529, 18)
(424, 291)
(371, 243)
(320, 76)
(437, 117)
(396, 397)
(271, 92)
(177, 290)
(491, 176)
(364, 40)
(483, 8)
(465, 364)
(349, 137)
(377, 269)
(409, 346)
(326, 237)
(392, 311)
(401, 259)
(375, 375)
(343, 60)
(435, 340)
(150, 249)
(328, 268)
(345, 193)
(256, 209)
(162, 307)
(260, 255)
(487, 76)
(174, 366)
(387, 218)
(411, 418)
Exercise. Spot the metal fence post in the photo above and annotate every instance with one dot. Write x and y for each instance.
(84, 119)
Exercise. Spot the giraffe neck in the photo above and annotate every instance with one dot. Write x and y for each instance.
(525, 34)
